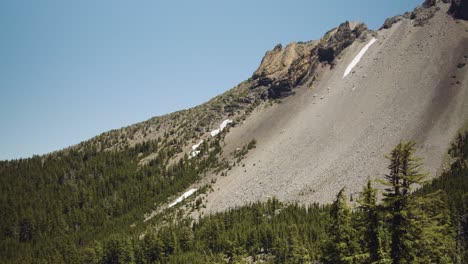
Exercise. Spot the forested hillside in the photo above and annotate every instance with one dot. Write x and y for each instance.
(82, 223)
(53, 206)
(424, 226)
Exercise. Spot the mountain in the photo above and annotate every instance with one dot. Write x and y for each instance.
(409, 85)
(314, 117)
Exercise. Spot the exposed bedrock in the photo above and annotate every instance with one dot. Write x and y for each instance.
(283, 69)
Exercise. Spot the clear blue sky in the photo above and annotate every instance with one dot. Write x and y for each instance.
(70, 70)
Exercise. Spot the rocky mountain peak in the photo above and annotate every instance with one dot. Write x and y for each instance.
(282, 69)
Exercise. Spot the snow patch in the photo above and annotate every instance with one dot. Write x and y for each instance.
(221, 127)
(358, 57)
(194, 147)
(224, 124)
(182, 197)
(215, 132)
(193, 154)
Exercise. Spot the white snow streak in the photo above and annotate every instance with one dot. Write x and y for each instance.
(215, 132)
(182, 197)
(221, 127)
(358, 57)
(194, 147)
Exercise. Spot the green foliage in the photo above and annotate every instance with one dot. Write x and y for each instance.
(371, 227)
(342, 246)
(57, 204)
(77, 208)
(403, 174)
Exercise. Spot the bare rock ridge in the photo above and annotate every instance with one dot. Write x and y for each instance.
(282, 69)
(458, 9)
(280, 72)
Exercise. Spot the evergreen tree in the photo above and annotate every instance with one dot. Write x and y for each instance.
(185, 239)
(342, 246)
(93, 254)
(404, 173)
(431, 236)
(152, 248)
(371, 224)
(296, 253)
(117, 251)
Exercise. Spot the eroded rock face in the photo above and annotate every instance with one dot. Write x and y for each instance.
(421, 15)
(337, 42)
(282, 69)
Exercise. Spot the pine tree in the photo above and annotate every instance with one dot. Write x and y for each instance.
(93, 254)
(431, 236)
(185, 239)
(371, 223)
(342, 246)
(117, 251)
(404, 173)
(296, 253)
(152, 248)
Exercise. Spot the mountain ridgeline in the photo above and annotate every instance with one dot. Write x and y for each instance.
(295, 173)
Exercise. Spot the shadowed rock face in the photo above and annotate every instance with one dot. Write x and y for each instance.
(459, 9)
(343, 37)
(282, 69)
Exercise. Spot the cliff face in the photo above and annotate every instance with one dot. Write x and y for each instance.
(283, 69)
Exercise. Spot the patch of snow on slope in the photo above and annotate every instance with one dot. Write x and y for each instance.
(182, 197)
(194, 153)
(221, 127)
(224, 124)
(358, 57)
(194, 147)
(215, 132)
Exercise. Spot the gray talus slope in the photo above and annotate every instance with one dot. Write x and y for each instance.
(336, 134)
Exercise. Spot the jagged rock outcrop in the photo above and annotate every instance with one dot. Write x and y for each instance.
(421, 14)
(390, 21)
(337, 42)
(282, 69)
